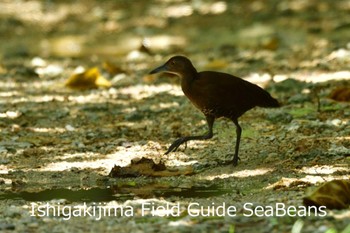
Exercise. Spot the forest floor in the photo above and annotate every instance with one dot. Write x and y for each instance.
(58, 145)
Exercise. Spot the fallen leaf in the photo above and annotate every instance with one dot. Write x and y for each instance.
(88, 79)
(2, 70)
(112, 68)
(334, 194)
(147, 167)
(341, 94)
(216, 64)
(145, 47)
(148, 78)
(271, 43)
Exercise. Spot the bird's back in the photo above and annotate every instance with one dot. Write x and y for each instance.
(222, 94)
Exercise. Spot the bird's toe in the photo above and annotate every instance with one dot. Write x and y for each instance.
(175, 145)
(235, 161)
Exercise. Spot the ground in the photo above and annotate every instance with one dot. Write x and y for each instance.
(59, 144)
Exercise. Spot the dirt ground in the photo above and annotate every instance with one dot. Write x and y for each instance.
(59, 144)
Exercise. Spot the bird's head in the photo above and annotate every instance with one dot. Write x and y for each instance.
(178, 65)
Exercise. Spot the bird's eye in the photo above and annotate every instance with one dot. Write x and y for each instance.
(173, 62)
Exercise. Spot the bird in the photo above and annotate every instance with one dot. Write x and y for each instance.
(216, 95)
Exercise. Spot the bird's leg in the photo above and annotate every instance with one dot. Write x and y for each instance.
(238, 139)
(175, 145)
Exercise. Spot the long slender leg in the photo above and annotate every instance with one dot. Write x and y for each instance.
(238, 139)
(175, 145)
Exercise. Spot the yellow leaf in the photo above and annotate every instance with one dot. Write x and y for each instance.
(216, 64)
(112, 68)
(88, 79)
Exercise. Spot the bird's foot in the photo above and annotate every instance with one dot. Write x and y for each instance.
(234, 161)
(176, 144)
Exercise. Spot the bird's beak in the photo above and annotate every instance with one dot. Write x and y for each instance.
(160, 69)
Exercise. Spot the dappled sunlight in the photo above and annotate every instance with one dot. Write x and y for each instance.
(179, 10)
(136, 92)
(185, 9)
(214, 8)
(36, 99)
(182, 222)
(62, 166)
(65, 46)
(343, 138)
(79, 156)
(91, 160)
(4, 170)
(164, 41)
(9, 93)
(10, 114)
(312, 77)
(104, 165)
(241, 174)
(314, 175)
(139, 92)
(161, 106)
(342, 216)
(92, 97)
(21, 92)
(318, 77)
(285, 182)
(323, 169)
(34, 11)
(48, 130)
(259, 79)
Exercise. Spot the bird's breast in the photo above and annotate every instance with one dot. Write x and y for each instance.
(204, 103)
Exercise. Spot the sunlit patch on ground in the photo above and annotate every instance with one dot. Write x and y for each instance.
(241, 174)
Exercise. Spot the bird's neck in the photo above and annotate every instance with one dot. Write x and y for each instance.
(187, 79)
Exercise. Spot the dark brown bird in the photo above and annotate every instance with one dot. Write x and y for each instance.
(216, 95)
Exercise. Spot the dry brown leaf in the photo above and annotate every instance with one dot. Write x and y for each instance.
(334, 194)
(271, 43)
(88, 79)
(341, 94)
(149, 78)
(2, 70)
(147, 167)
